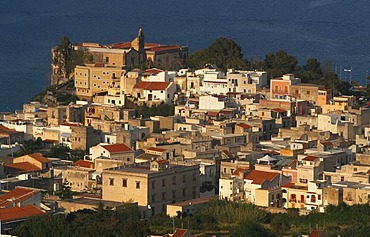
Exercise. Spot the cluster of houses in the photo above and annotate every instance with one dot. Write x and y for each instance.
(234, 135)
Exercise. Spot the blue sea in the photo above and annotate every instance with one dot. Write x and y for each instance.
(330, 30)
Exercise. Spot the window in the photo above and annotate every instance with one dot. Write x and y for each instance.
(184, 192)
(174, 180)
(184, 178)
(163, 182)
(111, 182)
(124, 183)
(153, 198)
(138, 184)
(153, 184)
(173, 194)
(194, 176)
(163, 196)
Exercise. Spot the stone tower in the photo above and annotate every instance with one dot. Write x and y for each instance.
(138, 45)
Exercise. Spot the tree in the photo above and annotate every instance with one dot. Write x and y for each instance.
(251, 229)
(223, 53)
(279, 64)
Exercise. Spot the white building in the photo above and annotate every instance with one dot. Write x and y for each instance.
(154, 91)
(112, 151)
(214, 82)
(210, 102)
(245, 81)
(157, 75)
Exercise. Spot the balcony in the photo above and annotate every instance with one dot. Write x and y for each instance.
(280, 91)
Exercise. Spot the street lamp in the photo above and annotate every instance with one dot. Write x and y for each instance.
(350, 75)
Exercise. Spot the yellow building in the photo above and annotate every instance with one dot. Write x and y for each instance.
(339, 103)
(152, 184)
(94, 78)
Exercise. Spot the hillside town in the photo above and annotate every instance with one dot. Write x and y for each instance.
(233, 135)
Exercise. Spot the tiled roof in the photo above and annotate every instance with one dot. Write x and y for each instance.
(153, 71)
(260, 176)
(23, 167)
(212, 113)
(152, 85)
(119, 147)
(83, 163)
(150, 45)
(239, 170)
(39, 157)
(99, 64)
(227, 153)
(326, 143)
(164, 48)
(162, 161)
(16, 195)
(123, 45)
(288, 185)
(179, 233)
(244, 125)
(50, 141)
(273, 152)
(279, 110)
(310, 158)
(157, 149)
(315, 233)
(15, 213)
(2, 127)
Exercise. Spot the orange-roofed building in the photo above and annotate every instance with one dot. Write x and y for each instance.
(181, 233)
(166, 154)
(156, 92)
(84, 164)
(14, 216)
(118, 151)
(21, 169)
(36, 159)
(262, 187)
(170, 57)
(21, 196)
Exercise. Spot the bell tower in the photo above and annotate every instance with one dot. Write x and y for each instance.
(138, 45)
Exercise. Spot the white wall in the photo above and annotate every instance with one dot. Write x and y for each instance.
(210, 103)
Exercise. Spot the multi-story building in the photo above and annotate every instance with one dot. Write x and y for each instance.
(314, 94)
(280, 87)
(94, 78)
(154, 92)
(152, 185)
(245, 81)
(114, 152)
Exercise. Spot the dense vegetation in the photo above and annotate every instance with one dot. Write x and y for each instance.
(145, 111)
(218, 217)
(225, 53)
(67, 58)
